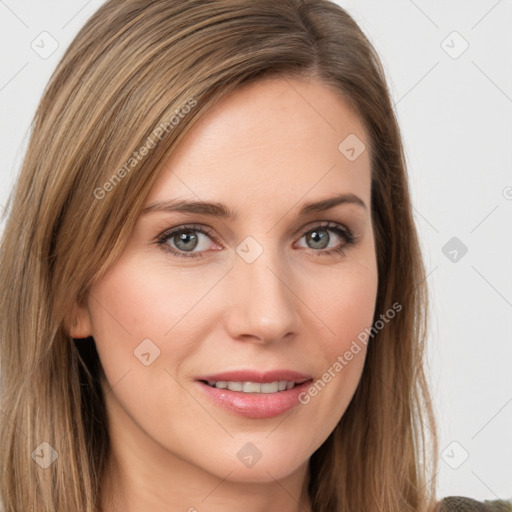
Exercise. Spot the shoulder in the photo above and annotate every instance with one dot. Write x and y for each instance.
(463, 504)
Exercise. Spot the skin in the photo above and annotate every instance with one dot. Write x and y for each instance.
(263, 151)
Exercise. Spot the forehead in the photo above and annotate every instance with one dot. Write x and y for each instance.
(272, 139)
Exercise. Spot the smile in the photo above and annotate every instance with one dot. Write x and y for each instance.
(253, 387)
(254, 394)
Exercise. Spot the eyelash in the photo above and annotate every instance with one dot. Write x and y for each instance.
(349, 238)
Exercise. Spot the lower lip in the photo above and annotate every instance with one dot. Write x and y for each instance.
(256, 405)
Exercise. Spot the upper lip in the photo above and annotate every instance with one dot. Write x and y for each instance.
(257, 376)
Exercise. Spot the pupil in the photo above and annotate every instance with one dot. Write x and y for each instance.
(184, 238)
(317, 238)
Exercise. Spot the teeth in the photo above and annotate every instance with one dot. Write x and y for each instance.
(270, 387)
(253, 387)
(235, 386)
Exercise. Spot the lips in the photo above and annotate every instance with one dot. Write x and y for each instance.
(255, 376)
(255, 394)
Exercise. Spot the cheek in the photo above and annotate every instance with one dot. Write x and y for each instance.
(133, 302)
(133, 308)
(131, 312)
(355, 305)
(346, 306)
(345, 302)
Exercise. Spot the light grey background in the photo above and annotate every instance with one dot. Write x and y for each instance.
(454, 109)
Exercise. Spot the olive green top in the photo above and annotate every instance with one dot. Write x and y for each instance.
(462, 504)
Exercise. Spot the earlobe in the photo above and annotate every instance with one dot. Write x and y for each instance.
(80, 325)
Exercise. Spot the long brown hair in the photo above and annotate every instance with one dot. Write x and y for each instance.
(131, 69)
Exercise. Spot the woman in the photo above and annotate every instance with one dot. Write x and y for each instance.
(214, 297)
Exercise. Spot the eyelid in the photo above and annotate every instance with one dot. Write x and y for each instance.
(201, 228)
(320, 223)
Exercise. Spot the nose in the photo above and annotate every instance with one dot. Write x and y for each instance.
(264, 305)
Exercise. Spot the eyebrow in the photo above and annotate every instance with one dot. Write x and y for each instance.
(220, 210)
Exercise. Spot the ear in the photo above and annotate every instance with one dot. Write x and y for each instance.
(79, 324)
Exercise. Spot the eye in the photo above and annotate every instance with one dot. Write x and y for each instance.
(183, 241)
(319, 238)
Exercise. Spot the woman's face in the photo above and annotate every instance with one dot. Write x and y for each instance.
(270, 297)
